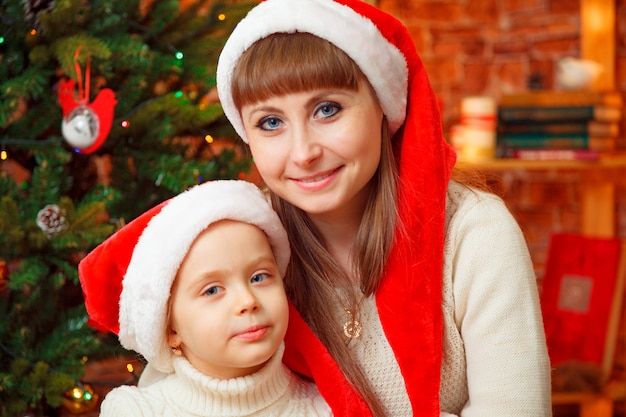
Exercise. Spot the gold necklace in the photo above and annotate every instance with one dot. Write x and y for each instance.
(352, 328)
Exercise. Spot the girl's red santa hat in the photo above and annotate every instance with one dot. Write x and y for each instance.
(126, 280)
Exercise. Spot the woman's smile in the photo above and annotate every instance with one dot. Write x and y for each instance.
(317, 181)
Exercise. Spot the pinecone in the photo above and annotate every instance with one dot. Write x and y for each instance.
(51, 219)
(32, 7)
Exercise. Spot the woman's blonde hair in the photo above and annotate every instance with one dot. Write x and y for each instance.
(287, 63)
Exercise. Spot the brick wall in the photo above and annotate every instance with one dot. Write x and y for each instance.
(492, 47)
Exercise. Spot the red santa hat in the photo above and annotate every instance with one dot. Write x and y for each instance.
(356, 35)
(383, 49)
(126, 280)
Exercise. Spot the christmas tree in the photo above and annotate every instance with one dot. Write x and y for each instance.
(108, 107)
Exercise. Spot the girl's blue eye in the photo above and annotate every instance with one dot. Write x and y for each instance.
(213, 290)
(269, 123)
(258, 278)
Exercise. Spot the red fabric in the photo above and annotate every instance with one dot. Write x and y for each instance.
(307, 356)
(409, 301)
(586, 269)
(102, 289)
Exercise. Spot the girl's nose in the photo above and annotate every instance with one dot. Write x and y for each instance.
(247, 302)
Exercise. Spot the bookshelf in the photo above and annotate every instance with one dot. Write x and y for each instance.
(599, 181)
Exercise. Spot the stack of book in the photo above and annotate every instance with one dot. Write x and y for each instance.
(559, 124)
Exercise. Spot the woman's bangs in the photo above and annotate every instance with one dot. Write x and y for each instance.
(290, 63)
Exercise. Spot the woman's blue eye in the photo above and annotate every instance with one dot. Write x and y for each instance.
(269, 123)
(327, 110)
(213, 290)
(258, 278)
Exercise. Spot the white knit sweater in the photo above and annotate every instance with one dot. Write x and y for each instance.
(273, 391)
(495, 360)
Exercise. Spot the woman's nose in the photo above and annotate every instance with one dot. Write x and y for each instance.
(305, 146)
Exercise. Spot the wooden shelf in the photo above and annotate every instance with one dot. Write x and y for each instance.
(615, 161)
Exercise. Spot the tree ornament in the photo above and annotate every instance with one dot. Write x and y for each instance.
(33, 7)
(81, 127)
(85, 125)
(51, 219)
(80, 399)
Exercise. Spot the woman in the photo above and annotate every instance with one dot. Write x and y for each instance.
(412, 292)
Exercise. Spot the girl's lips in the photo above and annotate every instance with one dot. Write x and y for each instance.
(318, 181)
(253, 333)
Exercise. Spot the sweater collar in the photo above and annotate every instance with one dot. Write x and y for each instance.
(200, 394)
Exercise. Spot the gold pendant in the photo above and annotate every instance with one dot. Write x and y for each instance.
(352, 328)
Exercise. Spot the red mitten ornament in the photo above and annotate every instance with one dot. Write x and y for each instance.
(85, 125)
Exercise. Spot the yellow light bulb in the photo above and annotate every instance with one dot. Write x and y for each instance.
(77, 393)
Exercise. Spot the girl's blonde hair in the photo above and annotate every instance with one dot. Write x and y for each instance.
(287, 63)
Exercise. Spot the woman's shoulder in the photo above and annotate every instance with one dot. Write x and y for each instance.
(469, 208)
(459, 194)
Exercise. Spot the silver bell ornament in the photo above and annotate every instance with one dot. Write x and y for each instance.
(80, 127)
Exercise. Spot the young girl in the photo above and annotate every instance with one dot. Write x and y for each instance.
(194, 285)
(414, 292)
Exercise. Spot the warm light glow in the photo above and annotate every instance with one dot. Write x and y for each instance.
(33, 32)
(125, 123)
(130, 368)
(208, 138)
(596, 18)
(221, 16)
(77, 393)
(4, 155)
